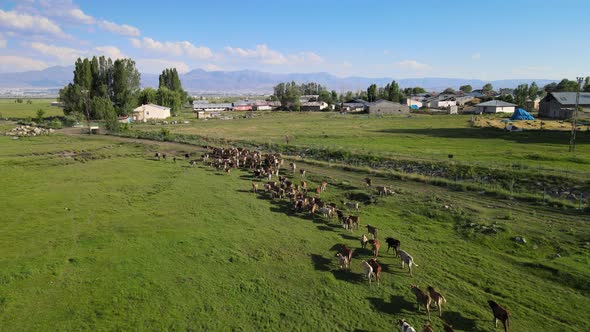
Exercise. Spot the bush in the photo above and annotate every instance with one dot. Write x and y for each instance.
(55, 124)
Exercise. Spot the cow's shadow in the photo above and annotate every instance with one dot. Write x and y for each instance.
(459, 322)
(320, 263)
(397, 305)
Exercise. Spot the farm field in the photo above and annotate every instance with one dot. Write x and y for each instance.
(10, 109)
(417, 137)
(96, 235)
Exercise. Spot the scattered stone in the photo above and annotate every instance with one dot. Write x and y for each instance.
(28, 131)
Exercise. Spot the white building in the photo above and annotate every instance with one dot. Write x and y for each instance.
(495, 106)
(150, 111)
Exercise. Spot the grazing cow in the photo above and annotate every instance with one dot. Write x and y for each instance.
(304, 184)
(427, 328)
(352, 222)
(326, 212)
(406, 259)
(376, 269)
(343, 261)
(367, 271)
(340, 214)
(293, 167)
(346, 252)
(368, 182)
(422, 298)
(193, 163)
(375, 246)
(500, 314)
(318, 190)
(437, 298)
(404, 326)
(302, 173)
(383, 191)
(392, 243)
(352, 205)
(372, 230)
(186, 155)
(158, 155)
(174, 159)
(364, 241)
(164, 156)
(324, 185)
(254, 187)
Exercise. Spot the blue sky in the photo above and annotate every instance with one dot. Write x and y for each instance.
(400, 39)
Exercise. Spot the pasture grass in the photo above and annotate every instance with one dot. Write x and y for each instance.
(11, 110)
(98, 236)
(417, 137)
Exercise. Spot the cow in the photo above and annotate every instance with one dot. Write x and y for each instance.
(500, 314)
(372, 230)
(422, 298)
(375, 246)
(324, 185)
(368, 182)
(367, 271)
(383, 191)
(364, 241)
(293, 167)
(352, 205)
(343, 261)
(346, 252)
(376, 269)
(254, 187)
(392, 243)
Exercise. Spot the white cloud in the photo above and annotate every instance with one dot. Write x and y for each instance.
(155, 66)
(28, 23)
(182, 48)
(271, 57)
(120, 29)
(67, 55)
(2, 41)
(110, 52)
(413, 65)
(476, 56)
(78, 15)
(11, 63)
(64, 55)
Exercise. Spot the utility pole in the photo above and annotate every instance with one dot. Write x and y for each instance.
(575, 117)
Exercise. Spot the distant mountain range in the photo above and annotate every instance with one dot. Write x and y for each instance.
(250, 81)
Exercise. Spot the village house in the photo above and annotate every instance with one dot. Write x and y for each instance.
(387, 107)
(354, 105)
(211, 107)
(561, 105)
(313, 106)
(242, 105)
(149, 112)
(495, 106)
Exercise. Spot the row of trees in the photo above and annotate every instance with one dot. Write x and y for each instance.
(290, 93)
(104, 89)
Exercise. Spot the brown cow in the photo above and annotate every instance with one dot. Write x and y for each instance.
(324, 185)
(346, 252)
(422, 298)
(500, 314)
(437, 298)
(376, 269)
(254, 187)
(375, 247)
(368, 182)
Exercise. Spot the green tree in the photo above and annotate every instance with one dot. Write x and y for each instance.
(393, 93)
(533, 91)
(521, 94)
(169, 98)
(334, 96)
(566, 85)
(40, 115)
(125, 85)
(587, 84)
(487, 87)
(449, 90)
(102, 108)
(147, 96)
(372, 93)
(466, 88)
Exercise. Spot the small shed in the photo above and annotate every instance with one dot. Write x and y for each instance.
(495, 106)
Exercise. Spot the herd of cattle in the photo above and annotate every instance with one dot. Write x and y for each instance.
(267, 167)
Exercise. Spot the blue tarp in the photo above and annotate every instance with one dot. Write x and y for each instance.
(414, 107)
(521, 114)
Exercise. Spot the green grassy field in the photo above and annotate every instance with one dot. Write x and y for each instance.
(423, 137)
(97, 236)
(10, 109)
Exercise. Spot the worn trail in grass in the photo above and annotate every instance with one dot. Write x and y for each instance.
(103, 237)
